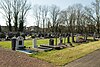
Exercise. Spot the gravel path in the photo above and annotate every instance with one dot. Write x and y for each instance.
(9, 58)
(90, 60)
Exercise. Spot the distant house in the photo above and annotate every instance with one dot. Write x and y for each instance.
(4, 28)
(33, 28)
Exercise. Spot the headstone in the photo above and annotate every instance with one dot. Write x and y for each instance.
(68, 39)
(61, 40)
(14, 43)
(35, 43)
(65, 39)
(51, 42)
(72, 37)
(20, 42)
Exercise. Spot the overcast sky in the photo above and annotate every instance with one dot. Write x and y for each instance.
(60, 3)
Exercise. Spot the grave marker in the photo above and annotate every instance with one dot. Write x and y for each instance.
(61, 40)
(51, 42)
(14, 43)
(35, 43)
(20, 42)
(68, 39)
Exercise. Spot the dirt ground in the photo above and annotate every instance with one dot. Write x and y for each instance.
(90, 60)
(9, 58)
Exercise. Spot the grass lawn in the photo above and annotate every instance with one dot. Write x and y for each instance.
(59, 57)
(28, 43)
(64, 56)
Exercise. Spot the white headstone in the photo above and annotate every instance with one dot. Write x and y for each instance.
(35, 43)
(19, 42)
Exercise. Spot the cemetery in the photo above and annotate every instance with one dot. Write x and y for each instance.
(52, 35)
(46, 48)
(18, 44)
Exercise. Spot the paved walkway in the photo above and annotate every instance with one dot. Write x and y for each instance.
(91, 60)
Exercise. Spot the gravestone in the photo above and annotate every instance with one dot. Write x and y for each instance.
(35, 43)
(64, 38)
(61, 40)
(68, 39)
(51, 42)
(19, 43)
(14, 43)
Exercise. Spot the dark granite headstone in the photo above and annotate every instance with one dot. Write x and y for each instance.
(61, 40)
(20, 42)
(72, 37)
(68, 39)
(14, 43)
(51, 42)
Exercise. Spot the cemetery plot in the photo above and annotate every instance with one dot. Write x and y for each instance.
(40, 48)
(51, 45)
(80, 39)
(18, 45)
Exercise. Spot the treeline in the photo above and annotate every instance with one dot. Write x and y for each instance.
(74, 19)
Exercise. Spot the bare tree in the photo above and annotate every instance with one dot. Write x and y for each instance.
(48, 25)
(71, 20)
(54, 13)
(94, 13)
(20, 9)
(16, 9)
(79, 12)
(37, 15)
(24, 9)
(63, 19)
(44, 15)
(6, 6)
(97, 9)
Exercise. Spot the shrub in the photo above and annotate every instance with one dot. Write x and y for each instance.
(2, 35)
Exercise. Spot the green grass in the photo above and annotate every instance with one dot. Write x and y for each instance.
(5, 44)
(64, 56)
(28, 43)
